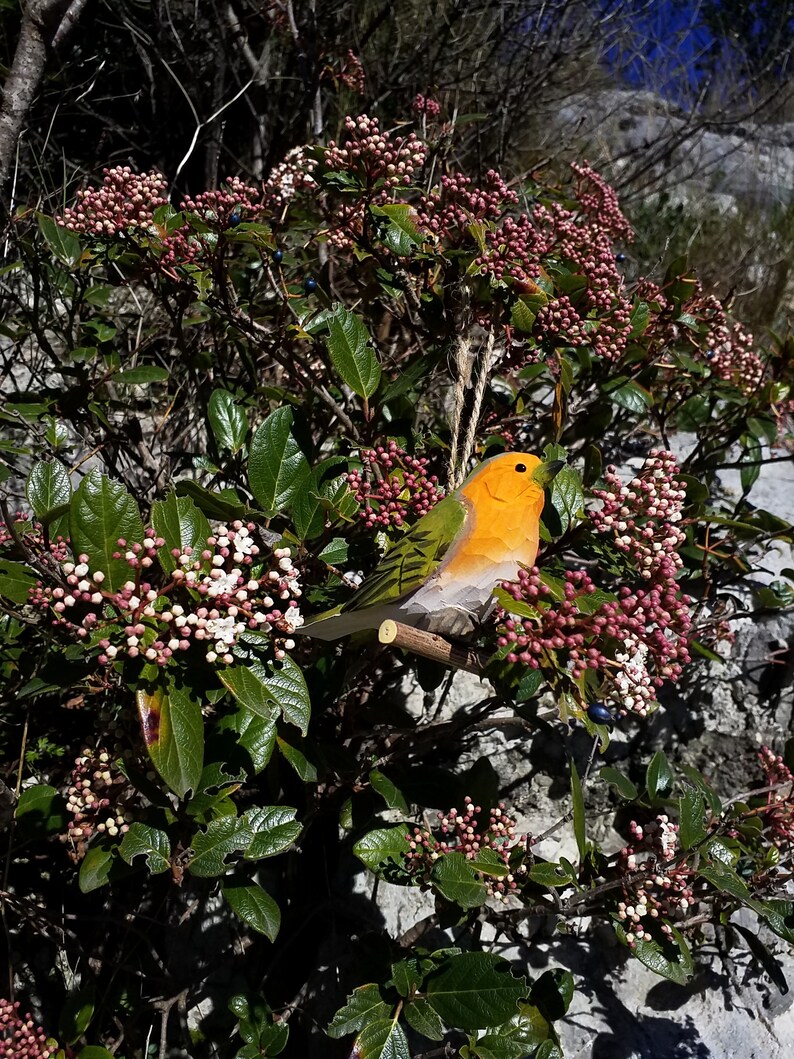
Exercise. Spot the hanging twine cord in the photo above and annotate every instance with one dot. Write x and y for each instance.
(486, 357)
(464, 364)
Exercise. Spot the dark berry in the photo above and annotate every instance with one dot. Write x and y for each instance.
(278, 256)
(598, 713)
(310, 286)
(234, 220)
(620, 258)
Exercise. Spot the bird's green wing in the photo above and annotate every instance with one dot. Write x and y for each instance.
(414, 558)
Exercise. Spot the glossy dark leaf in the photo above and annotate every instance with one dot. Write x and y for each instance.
(48, 490)
(181, 525)
(351, 352)
(228, 422)
(254, 906)
(173, 731)
(475, 990)
(277, 468)
(102, 512)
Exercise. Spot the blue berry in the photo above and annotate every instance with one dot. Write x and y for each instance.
(278, 256)
(599, 714)
(310, 286)
(620, 258)
(234, 220)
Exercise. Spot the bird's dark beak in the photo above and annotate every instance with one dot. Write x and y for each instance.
(545, 474)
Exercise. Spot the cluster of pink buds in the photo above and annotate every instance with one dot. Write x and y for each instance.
(641, 517)
(374, 155)
(210, 597)
(426, 105)
(352, 75)
(20, 1036)
(729, 348)
(461, 832)
(126, 201)
(666, 893)
(393, 488)
(598, 201)
(220, 209)
(99, 799)
(635, 641)
(726, 345)
(449, 210)
(513, 252)
(289, 178)
(778, 816)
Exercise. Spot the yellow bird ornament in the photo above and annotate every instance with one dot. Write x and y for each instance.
(441, 575)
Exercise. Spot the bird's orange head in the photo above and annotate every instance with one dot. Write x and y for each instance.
(505, 498)
(510, 477)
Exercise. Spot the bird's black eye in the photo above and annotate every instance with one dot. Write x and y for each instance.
(521, 467)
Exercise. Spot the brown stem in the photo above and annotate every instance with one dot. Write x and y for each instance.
(42, 23)
(431, 645)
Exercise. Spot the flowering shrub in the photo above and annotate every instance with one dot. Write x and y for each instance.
(385, 321)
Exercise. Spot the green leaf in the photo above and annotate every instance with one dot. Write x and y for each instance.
(399, 233)
(94, 1051)
(173, 730)
(224, 504)
(145, 375)
(364, 1005)
(254, 906)
(151, 842)
(335, 552)
(48, 490)
(228, 422)
(691, 813)
(16, 581)
(277, 468)
(623, 784)
(267, 688)
(552, 994)
(578, 811)
(454, 878)
(304, 768)
(41, 809)
(274, 828)
(287, 687)
(97, 867)
(659, 775)
(384, 845)
(640, 317)
(548, 1050)
(567, 500)
(101, 513)
(256, 735)
(64, 244)
(393, 797)
(420, 1016)
(181, 525)
(650, 954)
(224, 836)
(751, 469)
(474, 990)
(631, 396)
(382, 1039)
(76, 1015)
(406, 976)
(351, 352)
(549, 874)
(712, 798)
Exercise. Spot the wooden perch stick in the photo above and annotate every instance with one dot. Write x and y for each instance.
(431, 645)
